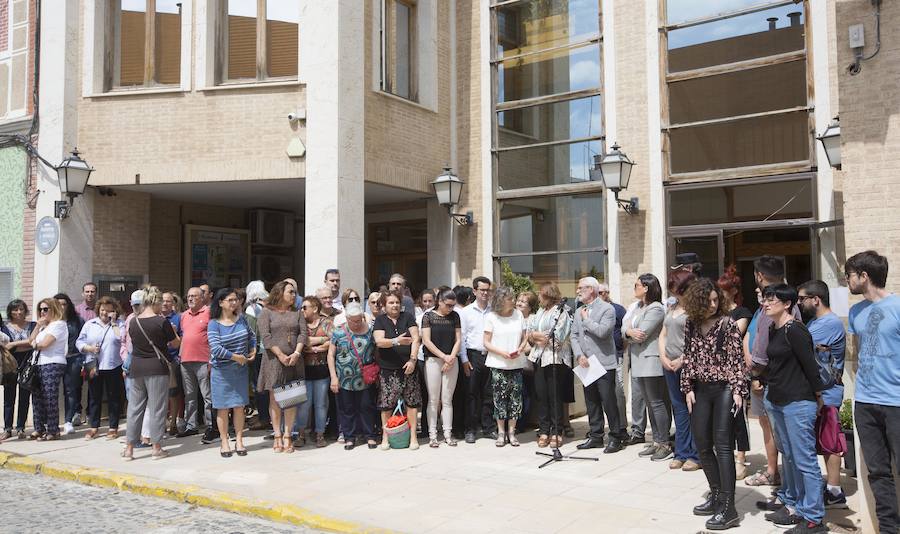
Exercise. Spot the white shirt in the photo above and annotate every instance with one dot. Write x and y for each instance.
(336, 303)
(472, 322)
(506, 335)
(56, 352)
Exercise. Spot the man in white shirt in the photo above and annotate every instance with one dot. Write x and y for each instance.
(479, 410)
(333, 282)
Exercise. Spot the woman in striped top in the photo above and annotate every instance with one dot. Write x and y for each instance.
(232, 346)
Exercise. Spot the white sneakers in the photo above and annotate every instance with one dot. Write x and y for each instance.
(67, 429)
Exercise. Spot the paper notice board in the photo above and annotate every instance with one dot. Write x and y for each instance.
(216, 256)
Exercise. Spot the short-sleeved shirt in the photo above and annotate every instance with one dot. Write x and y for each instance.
(347, 346)
(506, 334)
(394, 357)
(316, 363)
(878, 326)
(194, 341)
(144, 360)
(443, 330)
(828, 330)
(56, 352)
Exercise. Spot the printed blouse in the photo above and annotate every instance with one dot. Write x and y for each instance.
(349, 349)
(716, 356)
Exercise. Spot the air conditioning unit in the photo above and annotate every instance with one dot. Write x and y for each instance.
(271, 269)
(272, 228)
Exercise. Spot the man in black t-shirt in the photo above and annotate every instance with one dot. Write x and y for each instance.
(397, 338)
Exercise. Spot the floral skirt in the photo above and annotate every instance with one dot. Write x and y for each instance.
(507, 385)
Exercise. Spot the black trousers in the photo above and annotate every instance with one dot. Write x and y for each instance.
(600, 398)
(879, 438)
(113, 383)
(479, 396)
(9, 399)
(713, 427)
(548, 382)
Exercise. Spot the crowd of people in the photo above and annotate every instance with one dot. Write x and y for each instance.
(476, 362)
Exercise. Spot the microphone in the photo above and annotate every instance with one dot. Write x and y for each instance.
(562, 304)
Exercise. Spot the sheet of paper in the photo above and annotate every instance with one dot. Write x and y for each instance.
(592, 373)
(840, 300)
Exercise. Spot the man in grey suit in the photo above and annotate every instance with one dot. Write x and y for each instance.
(592, 335)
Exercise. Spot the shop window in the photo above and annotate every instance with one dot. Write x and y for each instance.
(398, 48)
(147, 43)
(13, 58)
(737, 88)
(260, 38)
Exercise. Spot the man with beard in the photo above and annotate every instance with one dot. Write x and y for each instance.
(830, 342)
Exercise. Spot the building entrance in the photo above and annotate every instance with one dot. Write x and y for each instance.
(398, 247)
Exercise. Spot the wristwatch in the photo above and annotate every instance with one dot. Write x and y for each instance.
(395, 342)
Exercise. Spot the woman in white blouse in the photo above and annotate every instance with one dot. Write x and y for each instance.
(100, 341)
(50, 340)
(504, 339)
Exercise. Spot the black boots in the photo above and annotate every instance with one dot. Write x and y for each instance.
(726, 516)
(711, 505)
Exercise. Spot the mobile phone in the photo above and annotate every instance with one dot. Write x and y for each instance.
(514, 353)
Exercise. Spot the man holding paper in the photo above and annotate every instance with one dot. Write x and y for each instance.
(593, 345)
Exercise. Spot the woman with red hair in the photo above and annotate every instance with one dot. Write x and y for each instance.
(730, 286)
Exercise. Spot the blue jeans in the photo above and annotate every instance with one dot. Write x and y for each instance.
(801, 488)
(72, 383)
(316, 398)
(685, 449)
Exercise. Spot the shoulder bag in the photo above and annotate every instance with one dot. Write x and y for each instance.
(28, 376)
(369, 371)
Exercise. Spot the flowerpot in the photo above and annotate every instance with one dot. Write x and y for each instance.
(850, 457)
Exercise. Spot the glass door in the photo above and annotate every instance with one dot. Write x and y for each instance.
(709, 246)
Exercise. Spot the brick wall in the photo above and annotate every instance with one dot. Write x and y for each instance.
(870, 133)
(121, 234)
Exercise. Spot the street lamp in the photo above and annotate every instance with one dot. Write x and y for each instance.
(831, 142)
(614, 170)
(447, 190)
(73, 174)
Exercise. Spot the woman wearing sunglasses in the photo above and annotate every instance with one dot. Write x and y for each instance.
(51, 340)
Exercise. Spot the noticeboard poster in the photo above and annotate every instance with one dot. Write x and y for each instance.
(217, 256)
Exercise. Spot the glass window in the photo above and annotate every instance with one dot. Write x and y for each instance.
(168, 41)
(788, 199)
(132, 31)
(555, 223)
(549, 165)
(761, 34)
(741, 143)
(572, 119)
(563, 269)
(537, 25)
(738, 93)
(241, 39)
(398, 34)
(678, 11)
(282, 38)
(4, 88)
(546, 73)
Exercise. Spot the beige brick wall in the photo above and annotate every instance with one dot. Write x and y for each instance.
(122, 234)
(631, 119)
(870, 132)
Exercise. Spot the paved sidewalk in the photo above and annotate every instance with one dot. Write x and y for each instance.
(470, 488)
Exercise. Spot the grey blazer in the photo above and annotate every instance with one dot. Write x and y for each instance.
(593, 336)
(645, 356)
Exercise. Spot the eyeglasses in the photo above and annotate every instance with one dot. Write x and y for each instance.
(43, 309)
(604, 292)
(354, 299)
(305, 307)
(848, 274)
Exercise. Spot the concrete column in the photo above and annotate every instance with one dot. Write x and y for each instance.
(441, 247)
(70, 264)
(332, 62)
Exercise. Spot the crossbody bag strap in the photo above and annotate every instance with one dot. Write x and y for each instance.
(155, 348)
(353, 347)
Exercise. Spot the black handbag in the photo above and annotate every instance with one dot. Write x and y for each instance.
(28, 373)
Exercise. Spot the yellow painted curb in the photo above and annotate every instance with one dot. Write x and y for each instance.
(24, 464)
(284, 513)
(62, 471)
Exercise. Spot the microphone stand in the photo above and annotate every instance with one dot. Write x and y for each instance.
(556, 455)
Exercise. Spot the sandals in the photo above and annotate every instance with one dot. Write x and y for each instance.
(276, 444)
(434, 443)
(451, 441)
(413, 445)
(35, 436)
(112, 434)
(289, 448)
(226, 454)
(90, 434)
(159, 455)
(501, 439)
(543, 441)
(513, 440)
(241, 452)
(555, 441)
(126, 456)
(763, 478)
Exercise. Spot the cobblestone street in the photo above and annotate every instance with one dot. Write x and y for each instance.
(34, 503)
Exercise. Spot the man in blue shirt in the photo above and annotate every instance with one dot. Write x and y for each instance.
(830, 341)
(876, 324)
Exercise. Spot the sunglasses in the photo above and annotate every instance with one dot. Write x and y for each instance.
(43, 310)
(353, 299)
